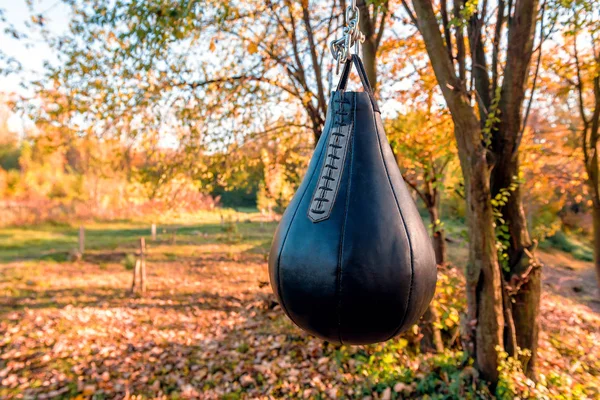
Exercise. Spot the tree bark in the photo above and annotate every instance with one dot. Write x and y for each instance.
(485, 319)
(484, 296)
(438, 234)
(592, 168)
(526, 302)
(596, 216)
(590, 134)
(480, 72)
(432, 336)
(373, 31)
(369, 54)
(505, 147)
(369, 47)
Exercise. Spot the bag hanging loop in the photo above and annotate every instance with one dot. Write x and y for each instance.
(362, 74)
(352, 36)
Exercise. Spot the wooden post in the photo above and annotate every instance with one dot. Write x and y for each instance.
(143, 264)
(153, 231)
(81, 240)
(139, 271)
(222, 220)
(174, 236)
(136, 273)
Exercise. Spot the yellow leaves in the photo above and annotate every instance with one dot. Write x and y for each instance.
(306, 98)
(38, 19)
(452, 319)
(252, 48)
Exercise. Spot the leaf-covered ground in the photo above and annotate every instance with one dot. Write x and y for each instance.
(209, 328)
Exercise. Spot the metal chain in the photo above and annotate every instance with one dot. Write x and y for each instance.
(352, 36)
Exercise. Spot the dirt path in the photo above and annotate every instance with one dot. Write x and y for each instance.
(567, 277)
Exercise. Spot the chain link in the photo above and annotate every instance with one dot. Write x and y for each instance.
(352, 36)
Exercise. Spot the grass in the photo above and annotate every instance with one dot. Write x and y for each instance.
(576, 245)
(569, 244)
(55, 242)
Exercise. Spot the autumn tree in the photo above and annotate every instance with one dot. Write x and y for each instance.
(9, 64)
(553, 176)
(575, 62)
(201, 77)
(9, 147)
(221, 70)
(421, 132)
(422, 144)
(486, 103)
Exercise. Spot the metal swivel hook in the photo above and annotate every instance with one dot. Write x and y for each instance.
(352, 36)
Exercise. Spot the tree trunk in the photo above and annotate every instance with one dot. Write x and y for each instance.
(432, 335)
(437, 233)
(591, 165)
(485, 320)
(505, 146)
(526, 302)
(484, 296)
(523, 269)
(369, 47)
(372, 25)
(596, 214)
(369, 51)
(525, 311)
(523, 266)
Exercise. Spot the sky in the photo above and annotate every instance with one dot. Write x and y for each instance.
(38, 52)
(31, 57)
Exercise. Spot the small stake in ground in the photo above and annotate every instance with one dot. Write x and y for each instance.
(81, 240)
(153, 230)
(174, 236)
(140, 268)
(143, 263)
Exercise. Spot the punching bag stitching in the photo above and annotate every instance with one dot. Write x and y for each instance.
(283, 307)
(343, 230)
(331, 174)
(412, 272)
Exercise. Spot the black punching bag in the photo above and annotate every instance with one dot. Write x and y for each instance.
(351, 261)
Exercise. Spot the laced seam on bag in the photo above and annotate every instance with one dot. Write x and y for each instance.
(330, 167)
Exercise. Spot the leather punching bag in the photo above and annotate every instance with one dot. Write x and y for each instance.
(351, 261)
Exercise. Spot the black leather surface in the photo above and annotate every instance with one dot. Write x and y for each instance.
(367, 272)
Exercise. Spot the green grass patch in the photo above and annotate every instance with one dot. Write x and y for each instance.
(129, 262)
(569, 244)
(55, 242)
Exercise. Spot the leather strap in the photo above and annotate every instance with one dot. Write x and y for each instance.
(360, 69)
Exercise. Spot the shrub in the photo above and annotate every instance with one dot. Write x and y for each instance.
(562, 242)
(129, 262)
